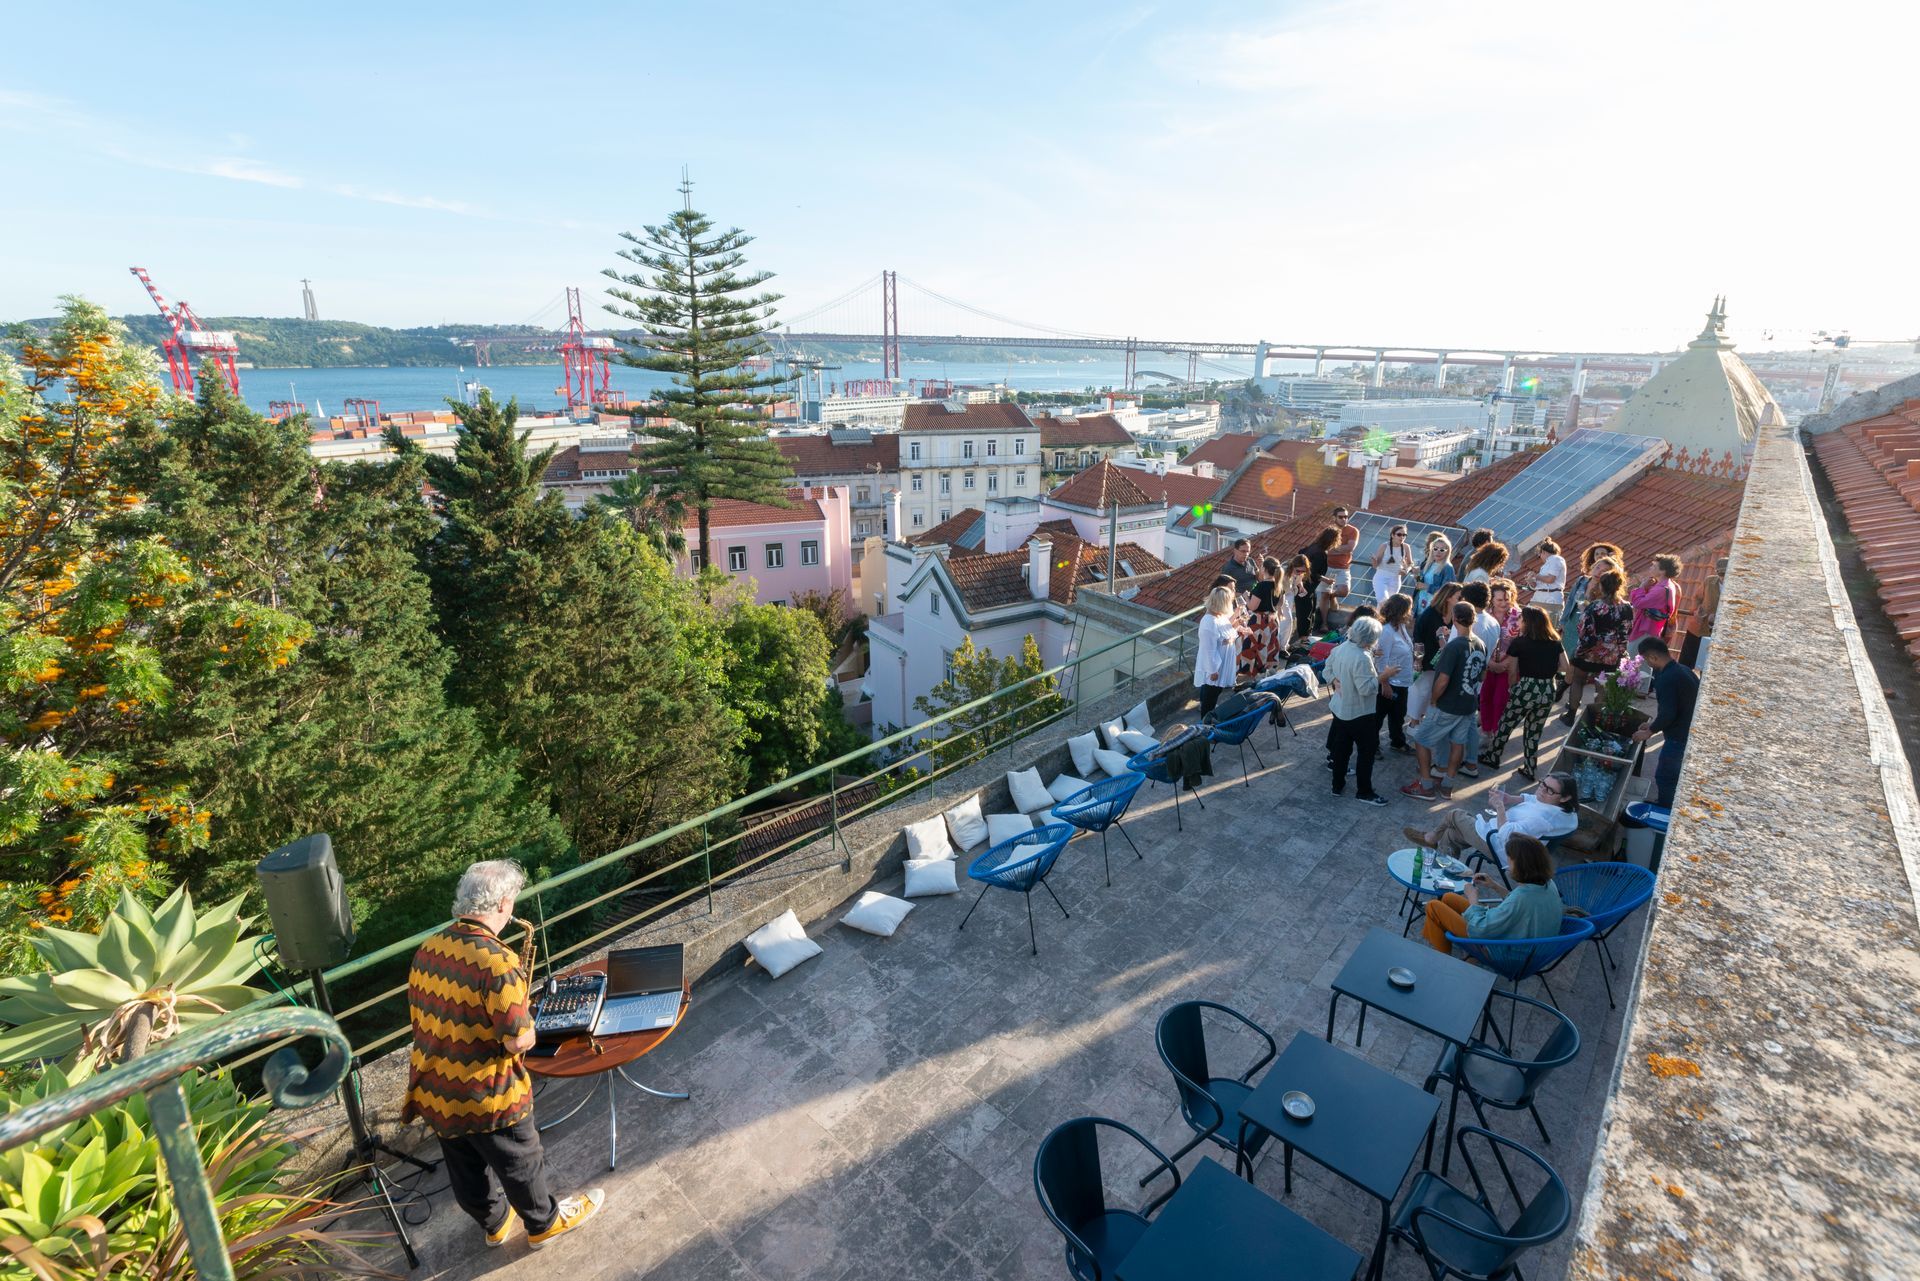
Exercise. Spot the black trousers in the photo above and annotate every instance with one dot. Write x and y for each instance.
(1210, 695)
(1360, 739)
(516, 1159)
(1393, 710)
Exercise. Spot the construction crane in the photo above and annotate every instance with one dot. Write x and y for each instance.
(584, 362)
(191, 342)
(1829, 390)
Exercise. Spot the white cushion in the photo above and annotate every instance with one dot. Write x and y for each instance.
(928, 839)
(877, 913)
(1114, 763)
(1065, 786)
(1138, 718)
(930, 876)
(781, 944)
(1028, 792)
(1111, 732)
(1004, 827)
(1082, 750)
(1136, 742)
(965, 824)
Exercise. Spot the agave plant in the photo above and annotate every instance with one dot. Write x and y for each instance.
(146, 975)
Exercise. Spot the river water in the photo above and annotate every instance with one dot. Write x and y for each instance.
(538, 386)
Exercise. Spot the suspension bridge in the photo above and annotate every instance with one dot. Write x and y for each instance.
(936, 319)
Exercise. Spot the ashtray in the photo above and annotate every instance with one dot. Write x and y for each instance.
(1297, 1104)
(1401, 977)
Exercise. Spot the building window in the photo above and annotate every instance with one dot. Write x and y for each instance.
(697, 559)
(946, 482)
(1019, 446)
(993, 447)
(933, 604)
(776, 555)
(862, 494)
(809, 552)
(1059, 460)
(860, 527)
(913, 451)
(966, 481)
(946, 664)
(737, 559)
(1206, 542)
(966, 449)
(1086, 458)
(993, 482)
(1020, 478)
(946, 513)
(919, 519)
(919, 484)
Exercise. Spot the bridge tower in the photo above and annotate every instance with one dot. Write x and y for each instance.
(890, 324)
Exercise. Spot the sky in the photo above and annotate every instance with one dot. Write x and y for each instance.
(1494, 173)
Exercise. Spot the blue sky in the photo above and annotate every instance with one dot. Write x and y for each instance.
(1493, 173)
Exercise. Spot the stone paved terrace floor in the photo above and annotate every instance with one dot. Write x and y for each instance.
(875, 1112)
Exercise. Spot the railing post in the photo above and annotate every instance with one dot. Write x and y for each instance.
(173, 1128)
(1133, 661)
(706, 862)
(833, 804)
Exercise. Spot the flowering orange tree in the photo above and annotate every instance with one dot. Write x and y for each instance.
(99, 629)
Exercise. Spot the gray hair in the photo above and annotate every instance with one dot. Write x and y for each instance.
(488, 887)
(1364, 632)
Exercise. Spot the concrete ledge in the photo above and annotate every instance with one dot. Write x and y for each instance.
(1764, 1119)
(813, 880)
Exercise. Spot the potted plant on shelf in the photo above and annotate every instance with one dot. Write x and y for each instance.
(1612, 713)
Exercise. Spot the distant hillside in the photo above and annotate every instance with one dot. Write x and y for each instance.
(285, 343)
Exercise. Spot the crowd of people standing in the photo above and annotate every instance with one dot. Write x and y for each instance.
(1451, 662)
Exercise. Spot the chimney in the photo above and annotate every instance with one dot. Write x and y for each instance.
(806, 489)
(1370, 481)
(1040, 567)
(893, 517)
(1331, 453)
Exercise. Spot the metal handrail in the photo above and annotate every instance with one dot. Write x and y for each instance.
(1158, 634)
(157, 1075)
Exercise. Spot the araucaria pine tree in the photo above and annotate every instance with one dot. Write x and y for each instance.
(704, 317)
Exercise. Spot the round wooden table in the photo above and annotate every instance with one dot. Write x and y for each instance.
(605, 1057)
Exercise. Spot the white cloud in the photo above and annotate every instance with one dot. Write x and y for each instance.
(242, 169)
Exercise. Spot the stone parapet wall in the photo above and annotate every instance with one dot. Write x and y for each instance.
(1764, 1119)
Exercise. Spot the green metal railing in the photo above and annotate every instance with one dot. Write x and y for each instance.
(690, 875)
(157, 1075)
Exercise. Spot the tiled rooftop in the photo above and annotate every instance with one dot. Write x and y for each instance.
(822, 456)
(950, 530)
(875, 1113)
(1874, 468)
(1225, 452)
(994, 416)
(733, 511)
(990, 579)
(1178, 489)
(1086, 429)
(1099, 487)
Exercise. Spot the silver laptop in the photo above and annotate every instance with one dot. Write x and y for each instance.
(643, 990)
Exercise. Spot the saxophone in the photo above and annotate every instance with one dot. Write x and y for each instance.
(527, 955)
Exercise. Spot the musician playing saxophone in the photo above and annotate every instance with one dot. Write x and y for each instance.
(468, 999)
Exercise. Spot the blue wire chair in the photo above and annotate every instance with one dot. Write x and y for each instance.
(1208, 1102)
(1608, 893)
(1155, 769)
(1461, 1235)
(1234, 733)
(1498, 1079)
(1099, 807)
(1518, 960)
(1019, 865)
(1072, 1189)
(1283, 684)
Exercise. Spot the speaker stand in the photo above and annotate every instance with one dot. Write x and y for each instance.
(367, 1147)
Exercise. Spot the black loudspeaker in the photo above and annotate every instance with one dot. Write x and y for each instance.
(307, 902)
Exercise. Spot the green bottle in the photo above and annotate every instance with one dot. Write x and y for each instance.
(1419, 862)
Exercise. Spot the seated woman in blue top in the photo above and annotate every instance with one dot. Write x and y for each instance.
(1530, 910)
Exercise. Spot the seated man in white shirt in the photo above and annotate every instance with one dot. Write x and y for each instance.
(1550, 810)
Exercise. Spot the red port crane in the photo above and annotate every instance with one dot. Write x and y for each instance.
(583, 358)
(192, 342)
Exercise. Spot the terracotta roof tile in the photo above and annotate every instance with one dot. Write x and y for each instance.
(821, 456)
(1872, 466)
(949, 530)
(1187, 586)
(1224, 452)
(990, 580)
(1087, 429)
(1446, 505)
(999, 416)
(1101, 486)
(1177, 489)
(732, 511)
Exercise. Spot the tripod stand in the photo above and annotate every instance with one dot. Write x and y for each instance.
(366, 1145)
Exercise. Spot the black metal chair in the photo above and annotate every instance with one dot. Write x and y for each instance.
(1462, 1236)
(1208, 1102)
(1495, 1078)
(1072, 1190)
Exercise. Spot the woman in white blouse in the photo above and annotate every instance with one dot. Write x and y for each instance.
(1391, 564)
(1550, 580)
(1218, 652)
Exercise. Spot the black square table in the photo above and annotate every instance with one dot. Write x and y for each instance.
(1367, 1125)
(1225, 1229)
(1446, 999)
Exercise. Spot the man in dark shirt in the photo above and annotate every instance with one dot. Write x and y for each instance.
(1677, 689)
(1239, 566)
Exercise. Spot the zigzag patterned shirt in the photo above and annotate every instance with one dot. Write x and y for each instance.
(466, 998)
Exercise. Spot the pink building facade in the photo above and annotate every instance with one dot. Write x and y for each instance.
(785, 551)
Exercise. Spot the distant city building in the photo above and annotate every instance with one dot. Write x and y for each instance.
(1072, 443)
(955, 457)
(786, 551)
(867, 463)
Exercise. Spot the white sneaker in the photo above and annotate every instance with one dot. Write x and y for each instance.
(574, 1211)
